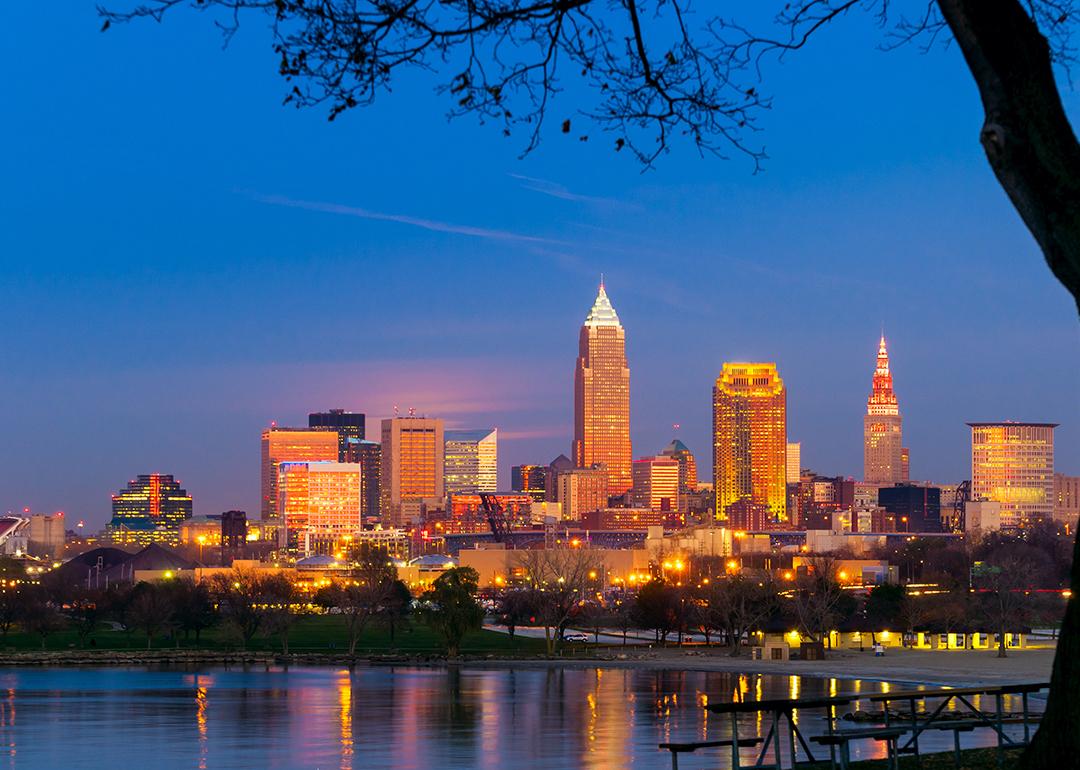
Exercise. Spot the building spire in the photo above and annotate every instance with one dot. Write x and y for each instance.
(602, 313)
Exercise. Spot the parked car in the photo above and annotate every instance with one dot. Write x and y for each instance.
(575, 636)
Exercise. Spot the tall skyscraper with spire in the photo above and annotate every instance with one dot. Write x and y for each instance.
(883, 451)
(602, 396)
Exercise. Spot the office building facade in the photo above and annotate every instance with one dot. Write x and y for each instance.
(602, 397)
(412, 470)
(291, 445)
(1013, 464)
(883, 459)
(348, 425)
(471, 461)
(750, 442)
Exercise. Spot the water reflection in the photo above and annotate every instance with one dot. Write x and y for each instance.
(401, 718)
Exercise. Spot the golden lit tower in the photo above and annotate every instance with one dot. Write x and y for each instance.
(750, 440)
(602, 396)
(883, 451)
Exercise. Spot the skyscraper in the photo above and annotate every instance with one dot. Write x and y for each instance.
(321, 499)
(794, 462)
(369, 455)
(602, 396)
(413, 451)
(750, 442)
(149, 509)
(883, 461)
(656, 483)
(530, 479)
(347, 425)
(1013, 463)
(687, 471)
(471, 463)
(291, 445)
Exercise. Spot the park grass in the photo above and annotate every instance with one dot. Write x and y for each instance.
(970, 759)
(313, 634)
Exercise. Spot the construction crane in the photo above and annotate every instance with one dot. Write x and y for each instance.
(496, 517)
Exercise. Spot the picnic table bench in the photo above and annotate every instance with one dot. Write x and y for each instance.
(843, 738)
(688, 748)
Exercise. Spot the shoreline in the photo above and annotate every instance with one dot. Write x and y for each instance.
(959, 668)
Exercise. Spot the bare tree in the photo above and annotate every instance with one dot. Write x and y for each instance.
(562, 579)
(1006, 601)
(737, 605)
(363, 595)
(660, 73)
(151, 610)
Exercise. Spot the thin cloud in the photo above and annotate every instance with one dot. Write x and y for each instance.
(556, 190)
(426, 224)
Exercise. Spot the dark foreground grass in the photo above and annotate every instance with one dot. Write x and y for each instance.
(970, 759)
(313, 634)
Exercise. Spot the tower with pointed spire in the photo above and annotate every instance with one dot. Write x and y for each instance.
(602, 396)
(883, 450)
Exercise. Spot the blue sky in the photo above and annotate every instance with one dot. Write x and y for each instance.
(185, 260)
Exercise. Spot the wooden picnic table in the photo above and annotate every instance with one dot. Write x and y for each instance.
(932, 720)
(780, 709)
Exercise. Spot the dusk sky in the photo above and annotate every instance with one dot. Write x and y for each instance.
(186, 260)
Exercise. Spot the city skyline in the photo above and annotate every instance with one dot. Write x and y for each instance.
(203, 255)
(507, 459)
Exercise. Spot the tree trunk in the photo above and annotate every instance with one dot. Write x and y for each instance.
(1026, 135)
(1034, 153)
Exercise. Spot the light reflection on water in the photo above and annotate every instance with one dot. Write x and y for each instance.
(402, 718)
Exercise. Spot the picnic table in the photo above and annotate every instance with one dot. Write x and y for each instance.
(780, 710)
(892, 731)
(921, 721)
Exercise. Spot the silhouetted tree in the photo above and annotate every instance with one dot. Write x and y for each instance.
(561, 578)
(656, 609)
(280, 603)
(151, 610)
(39, 616)
(193, 607)
(363, 595)
(450, 608)
(396, 608)
(240, 596)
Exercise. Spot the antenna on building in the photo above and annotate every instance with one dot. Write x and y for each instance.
(601, 280)
(395, 410)
(412, 411)
(676, 426)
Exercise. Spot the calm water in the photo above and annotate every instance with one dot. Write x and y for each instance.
(401, 718)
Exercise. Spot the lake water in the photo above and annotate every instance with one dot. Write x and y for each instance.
(401, 718)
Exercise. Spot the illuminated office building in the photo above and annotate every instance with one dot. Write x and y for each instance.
(471, 461)
(291, 445)
(883, 453)
(348, 425)
(320, 500)
(656, 483)
(369, 455)
(531, 480)
(750, 442)
(687, 472)
(794, 461)
(150, 509)
(602, 397)
(1067, 499)
(581, 490)
(413, 451)
(1013, 463)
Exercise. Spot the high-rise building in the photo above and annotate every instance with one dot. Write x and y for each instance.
(1067, 498)
(472, 461)
(1013, 463)
(413, 450)
(687, 472)
(750, 442)
(602, 397)
(560, 464)
(905, 464)
(291, 445)
(794, 462)
(348, 425)
(883, 461)
(320, 499)
(369, 455)
(813, 500)
(656, 483)
(917, 508)
(581, 490)
(149, 509)
(531, 480)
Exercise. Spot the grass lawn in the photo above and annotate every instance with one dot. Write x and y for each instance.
(316, 633)
(970, 759)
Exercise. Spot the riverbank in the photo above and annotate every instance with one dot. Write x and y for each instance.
(959, 668)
